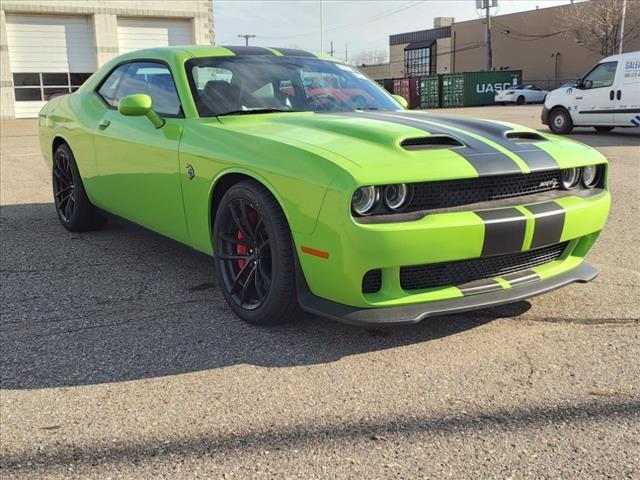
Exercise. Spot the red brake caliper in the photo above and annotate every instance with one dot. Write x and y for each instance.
(242, 249)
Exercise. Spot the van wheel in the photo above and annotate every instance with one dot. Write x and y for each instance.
(520, 100)
(603, 129)
(560, 121)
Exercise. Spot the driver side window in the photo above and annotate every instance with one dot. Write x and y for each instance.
(151, 78)
(602, 75)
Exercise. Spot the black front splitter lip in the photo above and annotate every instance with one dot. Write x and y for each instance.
(414, 313)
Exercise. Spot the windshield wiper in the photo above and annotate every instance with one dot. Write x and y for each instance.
(254, 111)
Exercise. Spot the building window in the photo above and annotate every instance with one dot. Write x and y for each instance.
(417, 61)
(38, 87)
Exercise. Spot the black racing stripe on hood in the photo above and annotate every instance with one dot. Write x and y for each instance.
(530, 153)
(483, 157)
(504, 231)
(549, 223)
(250, 50)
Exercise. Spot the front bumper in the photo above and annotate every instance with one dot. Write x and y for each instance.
(353, 249)
(414, 313)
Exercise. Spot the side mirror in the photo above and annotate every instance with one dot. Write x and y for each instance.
(578, 83)
(401, 100)
(140, 105)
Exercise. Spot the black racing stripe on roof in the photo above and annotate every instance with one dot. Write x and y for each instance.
(483, 157)
(294, 52)
(250, 50)
(530, 153)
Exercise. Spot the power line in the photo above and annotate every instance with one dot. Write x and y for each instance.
(364, 22)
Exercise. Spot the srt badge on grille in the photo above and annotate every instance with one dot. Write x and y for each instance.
(553, 183)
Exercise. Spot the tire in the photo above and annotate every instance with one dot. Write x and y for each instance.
(75, 211)
(603, 129)
(259, 284)
(560, 121)
(520, 100)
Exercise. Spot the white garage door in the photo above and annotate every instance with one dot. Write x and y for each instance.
(48, 55)
(137, 33)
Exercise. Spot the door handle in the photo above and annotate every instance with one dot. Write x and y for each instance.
(611, 95)
(619, 94)
(104, 124)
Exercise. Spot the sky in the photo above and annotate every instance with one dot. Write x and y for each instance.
(361, 25)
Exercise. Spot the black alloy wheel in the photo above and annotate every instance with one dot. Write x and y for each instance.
(75, 211)
(255, 256)
(245, 254)
(64, 192)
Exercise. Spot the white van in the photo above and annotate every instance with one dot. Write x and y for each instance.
(608, 96)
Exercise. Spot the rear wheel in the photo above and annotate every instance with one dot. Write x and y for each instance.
(560, 121)
(603, 129)
(254, 255)
(520, 100)
(75, 211)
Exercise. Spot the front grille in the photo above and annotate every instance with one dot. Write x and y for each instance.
(372, 281)
(452, 193)
(419, 277)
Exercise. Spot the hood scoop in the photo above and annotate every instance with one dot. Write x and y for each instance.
(525, 137)
(432, 142)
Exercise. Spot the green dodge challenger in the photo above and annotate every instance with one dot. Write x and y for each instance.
(312, 187)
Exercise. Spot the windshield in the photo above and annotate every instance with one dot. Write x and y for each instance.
(260, 83)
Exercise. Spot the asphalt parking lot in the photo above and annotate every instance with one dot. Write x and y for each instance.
(120, 359)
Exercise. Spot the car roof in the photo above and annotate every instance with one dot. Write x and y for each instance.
(184, 52)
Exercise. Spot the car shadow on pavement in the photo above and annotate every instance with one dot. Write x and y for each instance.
(124, 304)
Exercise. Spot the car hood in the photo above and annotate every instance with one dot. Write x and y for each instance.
(406, 144)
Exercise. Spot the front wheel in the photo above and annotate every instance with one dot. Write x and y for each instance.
(520, 100)
(603, 129)
(254, 255)
(560, 121)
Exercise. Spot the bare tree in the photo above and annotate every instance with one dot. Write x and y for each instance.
(369, 57)
(596, 24)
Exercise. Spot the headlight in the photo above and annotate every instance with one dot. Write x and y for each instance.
(590, 176)
(570, 178)
(396, 196)
(364, 199)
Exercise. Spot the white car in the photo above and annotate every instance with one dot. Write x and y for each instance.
(608, 96)
(521, 94)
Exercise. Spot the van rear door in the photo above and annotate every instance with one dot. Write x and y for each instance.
(628, 91)
(594, 99)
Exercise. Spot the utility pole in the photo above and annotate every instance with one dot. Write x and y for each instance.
(246, 38)
(624, 13)
(332, 51)
(321, 25)
(487, 6)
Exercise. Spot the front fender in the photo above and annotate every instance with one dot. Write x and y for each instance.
(297, 177)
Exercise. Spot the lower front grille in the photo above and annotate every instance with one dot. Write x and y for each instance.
(372, 281)
(419, 277)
